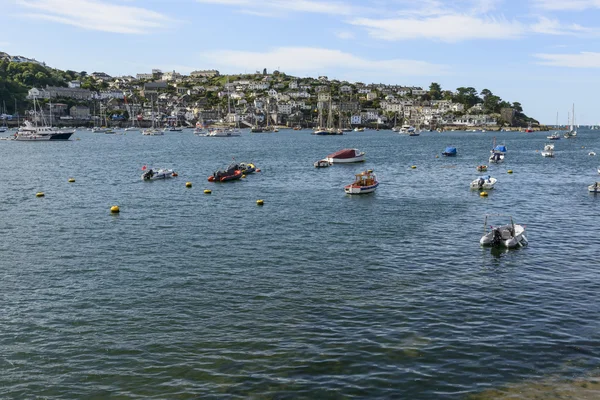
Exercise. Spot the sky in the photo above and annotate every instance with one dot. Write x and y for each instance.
(544, 54)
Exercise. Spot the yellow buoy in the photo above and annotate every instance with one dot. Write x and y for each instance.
(483, 194)
(260, 202)
(207, 191)
(114, 209)
(243, 175)
(39, 194)
(71, 180)
(188, 184)
(509, 171)
(413, 166)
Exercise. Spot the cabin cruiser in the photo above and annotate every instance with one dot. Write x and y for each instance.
(152, 175)
(365, 182)
(510, 235)
(554, 136)
(30, 133)
(346, 156)
(483, 183)
(407, 129)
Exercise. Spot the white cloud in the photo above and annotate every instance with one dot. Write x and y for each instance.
(561, 5)
(554, 27)
(270, 7)
(577, 60)
(95, 15)
(310, 60)
(344, 35)
(447, 28)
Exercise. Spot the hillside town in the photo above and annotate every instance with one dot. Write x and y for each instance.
(263, 98)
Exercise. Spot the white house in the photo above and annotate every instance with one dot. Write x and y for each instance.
(371, 96)
(293, 85)
(356, 120)
(272, 92)
(419, 92)
(345, 89)
(284, 108)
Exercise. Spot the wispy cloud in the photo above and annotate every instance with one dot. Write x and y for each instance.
(344, 34)
(555, 27)
(447, 28)
(310, 60)
(286, 6)
(564, 5)
(576, 60)
(95, 15)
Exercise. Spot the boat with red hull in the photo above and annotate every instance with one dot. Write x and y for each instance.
(346, 156)
(232, 173)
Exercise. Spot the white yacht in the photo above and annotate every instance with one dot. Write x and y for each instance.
(30, 132)
(483, 183)
(224, 132)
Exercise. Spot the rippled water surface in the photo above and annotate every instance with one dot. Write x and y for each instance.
(314, 295)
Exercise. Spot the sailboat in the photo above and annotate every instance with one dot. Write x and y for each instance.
(132, 127)
(555, 135)
(152, 131)
(3, 127)
(571, 132)
(320, 130)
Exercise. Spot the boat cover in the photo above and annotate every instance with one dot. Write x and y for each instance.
(501, 148)
(345, 153)
(450, 150)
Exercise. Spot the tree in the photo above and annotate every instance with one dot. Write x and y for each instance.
(435, 91)
(467, 96)
(517, 106)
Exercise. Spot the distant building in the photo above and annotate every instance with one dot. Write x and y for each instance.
(79, 112)
(144, 76)
(51, 92)
(206, 73)
(75, 84)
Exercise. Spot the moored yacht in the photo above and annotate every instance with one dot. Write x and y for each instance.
(346, 156)
(30, 132)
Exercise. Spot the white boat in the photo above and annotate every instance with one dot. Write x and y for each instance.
(510, 235)
(152, 175)
(223, 132)
(34, 133)
(483, 183)
(346, 156)
(152, 132)
(595, 188)
(324, 163)
(357, 129)
(599, 170)
(591, 153)
(407, 129)
(132, 129)
(496, 157)
(548, 150)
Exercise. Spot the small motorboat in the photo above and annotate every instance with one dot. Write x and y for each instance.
(482, 168)
(346, 156)
(233, 172)
(591, 153)
(483, 183)
(449, 152)
(595, 188)
(365, 182)
(161, 173)
(554, 136)
(496, 157)
(548, 150)
(510, 235)
(152, 132)
(247, 168)
(599, 170)
(324, 163)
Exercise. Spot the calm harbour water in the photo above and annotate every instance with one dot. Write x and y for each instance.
(314, 295)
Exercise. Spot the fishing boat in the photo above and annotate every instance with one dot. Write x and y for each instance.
(324, 163)
(483, 183)
(232, 172)
(161, 173)
(346, 156)
(365, 182)
(449, 152)
(482, 168)
(509, 235)
(497, 153)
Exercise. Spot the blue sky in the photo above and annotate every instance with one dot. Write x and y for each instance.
(543, 53)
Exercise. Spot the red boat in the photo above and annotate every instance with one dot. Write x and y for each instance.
(346, 156)
(233, 172)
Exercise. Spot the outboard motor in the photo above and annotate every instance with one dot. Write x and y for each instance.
(496, 237)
